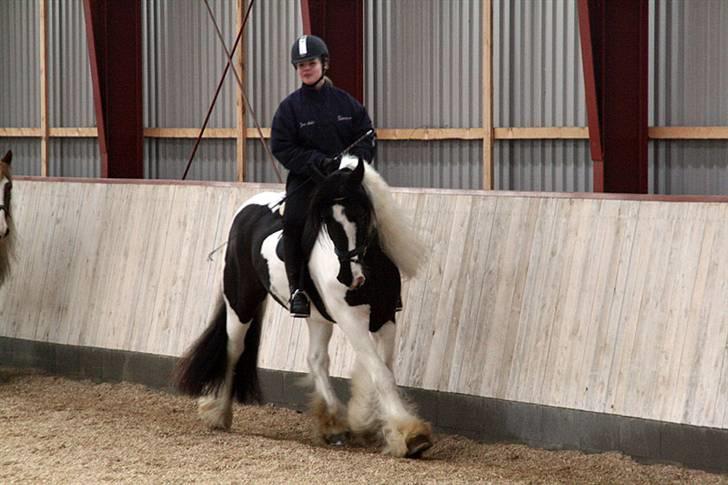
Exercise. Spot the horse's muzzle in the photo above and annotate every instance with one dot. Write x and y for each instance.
(358, 282)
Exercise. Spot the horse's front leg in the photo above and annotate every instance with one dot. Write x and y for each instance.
(403, 432)
(326, 407)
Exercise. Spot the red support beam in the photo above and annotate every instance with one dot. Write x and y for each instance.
(614, 37)
(114, 33)
(341, 24)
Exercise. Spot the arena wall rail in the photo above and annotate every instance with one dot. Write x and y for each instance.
(582, 321)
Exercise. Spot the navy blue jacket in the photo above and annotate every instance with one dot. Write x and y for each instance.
(311, 125)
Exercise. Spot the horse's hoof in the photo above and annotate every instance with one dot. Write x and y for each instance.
(338, 439)
(418, 445)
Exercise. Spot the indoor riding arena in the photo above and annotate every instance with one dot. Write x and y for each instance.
(563, 165)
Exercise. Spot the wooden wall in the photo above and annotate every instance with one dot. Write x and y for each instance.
(613, 306)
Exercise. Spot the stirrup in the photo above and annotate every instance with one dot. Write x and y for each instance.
(299, 305)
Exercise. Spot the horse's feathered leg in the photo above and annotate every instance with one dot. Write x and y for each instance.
(364, 415)
(326, 407)
(404, 433)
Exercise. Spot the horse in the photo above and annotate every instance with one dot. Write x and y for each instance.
(358, 243)
(7, 232)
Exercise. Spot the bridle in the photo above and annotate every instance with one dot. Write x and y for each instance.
(357, 254)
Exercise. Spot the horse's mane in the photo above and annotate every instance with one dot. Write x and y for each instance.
(396, 235)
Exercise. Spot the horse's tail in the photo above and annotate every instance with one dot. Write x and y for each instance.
(202, 369)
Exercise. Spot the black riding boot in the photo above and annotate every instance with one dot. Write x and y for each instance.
(299, 306)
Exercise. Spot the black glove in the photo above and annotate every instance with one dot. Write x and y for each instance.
(322, 168)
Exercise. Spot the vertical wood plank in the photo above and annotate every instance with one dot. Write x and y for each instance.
(487, 66)
(43, 59)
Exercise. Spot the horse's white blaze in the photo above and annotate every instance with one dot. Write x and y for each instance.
(350, 230)
(276, 268)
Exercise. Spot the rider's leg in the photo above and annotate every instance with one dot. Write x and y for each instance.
(294, 218)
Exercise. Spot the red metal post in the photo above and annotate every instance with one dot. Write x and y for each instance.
(614, 36)
(341, 24)
(114, 33)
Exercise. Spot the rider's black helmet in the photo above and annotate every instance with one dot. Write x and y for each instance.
(307, 48)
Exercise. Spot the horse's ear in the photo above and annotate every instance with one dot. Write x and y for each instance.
(8, 157)
(358, 174)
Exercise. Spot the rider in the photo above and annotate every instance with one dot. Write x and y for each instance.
(311, 127)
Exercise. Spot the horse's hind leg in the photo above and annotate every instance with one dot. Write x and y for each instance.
(240, 375)
(403, 432)
(326, 407)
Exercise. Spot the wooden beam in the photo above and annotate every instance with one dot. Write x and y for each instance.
(241, 132)
(512, 133)
(90, 132)
(190, 133)
(688, 132)
(43, 57)
(547, 133)
(20, 132)
(487, 67)
(429, 133)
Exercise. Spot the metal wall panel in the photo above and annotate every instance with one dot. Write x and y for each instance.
(70, 92)
(688, 86)
(423, 69)
(423, 63)
(538, 81)
(538, 77)
(688, 167)
(183, 61)
(271, 30)
(19, 64)
(450, 164)
(26, 154)
(73, 157)
(167, 158)
(689, 74)
(543, 165)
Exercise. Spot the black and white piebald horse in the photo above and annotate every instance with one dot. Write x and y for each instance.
(355, 235)
(7, 236)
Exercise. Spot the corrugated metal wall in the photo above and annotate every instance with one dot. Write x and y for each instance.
(689, 86)
(183, 60)
(271, 31)
(19, 85)
(70, 92)
(423, 69)
(538, 81)
(19, 65)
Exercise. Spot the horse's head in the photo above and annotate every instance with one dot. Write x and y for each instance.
(6, 185)
(342, 206)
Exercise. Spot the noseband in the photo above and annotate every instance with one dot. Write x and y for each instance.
(356, 255)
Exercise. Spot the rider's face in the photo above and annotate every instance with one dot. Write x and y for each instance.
(309, 71)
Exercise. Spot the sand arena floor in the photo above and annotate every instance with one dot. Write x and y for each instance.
(55, 430)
